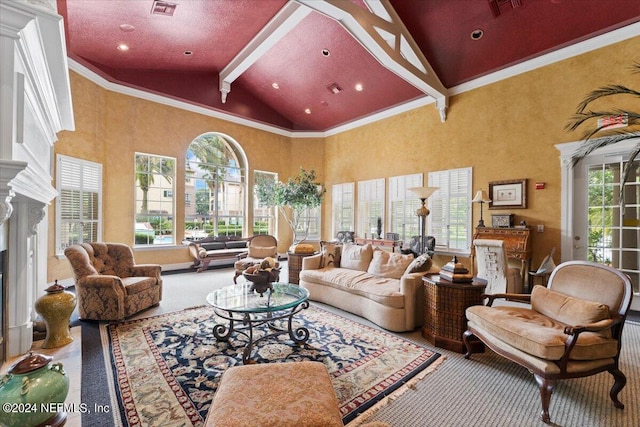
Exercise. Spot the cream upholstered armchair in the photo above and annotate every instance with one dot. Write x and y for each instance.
(109, 284)
(259, 247)
(573, 327)
(491, 258)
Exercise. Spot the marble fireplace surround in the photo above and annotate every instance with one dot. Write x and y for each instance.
(35, 106)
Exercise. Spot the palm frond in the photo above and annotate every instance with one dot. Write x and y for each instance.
(626, 172)
(590, 145)
(578, 119)
(610, 90)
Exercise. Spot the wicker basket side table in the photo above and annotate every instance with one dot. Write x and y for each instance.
(444, 311)
(295, 266)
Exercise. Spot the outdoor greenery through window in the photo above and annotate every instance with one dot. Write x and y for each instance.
(79, 202)
(214, 189)
(614, 230)
(264, 218)
(155, 206)
(450, 218)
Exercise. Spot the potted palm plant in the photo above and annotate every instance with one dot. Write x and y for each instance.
(609, 125)
(300, 193)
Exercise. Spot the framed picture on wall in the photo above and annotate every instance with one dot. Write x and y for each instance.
(508, 194)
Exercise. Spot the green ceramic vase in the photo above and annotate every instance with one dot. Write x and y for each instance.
(33, 393)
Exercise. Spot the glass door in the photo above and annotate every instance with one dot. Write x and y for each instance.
(605, 231)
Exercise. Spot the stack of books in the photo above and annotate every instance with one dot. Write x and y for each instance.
(455, 272)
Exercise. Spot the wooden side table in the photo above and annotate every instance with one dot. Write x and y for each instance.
(295, 266)
(444, 311)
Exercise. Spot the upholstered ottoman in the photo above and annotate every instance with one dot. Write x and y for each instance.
(293, 394)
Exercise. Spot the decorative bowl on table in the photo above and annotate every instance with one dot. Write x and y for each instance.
(262, 276)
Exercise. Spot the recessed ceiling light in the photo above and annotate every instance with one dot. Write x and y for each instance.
(275, 85)
(187, 52)
(476, 34)
(326, 52)
(123, 47)
(127, 28)
(359, 87)
(307, 110)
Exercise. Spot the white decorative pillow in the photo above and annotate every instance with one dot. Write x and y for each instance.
(422, 263)
(389, 264)
(355, 257)
(262, 251)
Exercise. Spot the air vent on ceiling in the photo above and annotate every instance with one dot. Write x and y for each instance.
(334, 88)
(163, 8)
(498, 5)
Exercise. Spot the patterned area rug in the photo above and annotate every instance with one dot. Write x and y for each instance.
(166, 369)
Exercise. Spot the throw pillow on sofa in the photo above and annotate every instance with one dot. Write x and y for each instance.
(388, 264)
(355, 257)
(420, 264)
(330, 254)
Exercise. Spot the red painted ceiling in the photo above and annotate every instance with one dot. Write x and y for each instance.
(215, 31)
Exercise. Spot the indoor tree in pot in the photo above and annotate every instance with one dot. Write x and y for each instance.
(598, 122)
(300, 193)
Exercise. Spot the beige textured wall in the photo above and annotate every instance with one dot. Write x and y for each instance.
(505, 131)
(111, 127)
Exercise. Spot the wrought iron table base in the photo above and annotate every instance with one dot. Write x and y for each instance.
(222, 332)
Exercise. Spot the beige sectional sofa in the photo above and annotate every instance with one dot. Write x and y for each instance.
(383, 287)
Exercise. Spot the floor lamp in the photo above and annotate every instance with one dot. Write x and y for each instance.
(423, 194)
(482, 198)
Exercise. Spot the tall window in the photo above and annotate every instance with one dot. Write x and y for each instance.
(79, 202)
(342, 205)
(403, 205)
(216, 180)
(370, 205)
(264, 218)
(312, 216)
(450, 218)
(155, 206)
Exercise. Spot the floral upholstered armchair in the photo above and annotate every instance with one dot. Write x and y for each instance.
(109, 284)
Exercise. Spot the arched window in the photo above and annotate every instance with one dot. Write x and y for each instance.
(215, 187)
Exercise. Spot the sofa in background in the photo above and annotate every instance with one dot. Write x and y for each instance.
(109, 284)
(383, 287)
(205, 250)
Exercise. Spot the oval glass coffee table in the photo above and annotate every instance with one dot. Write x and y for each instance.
(246, 310)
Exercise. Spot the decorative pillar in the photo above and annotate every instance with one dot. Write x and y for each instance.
(35, 105)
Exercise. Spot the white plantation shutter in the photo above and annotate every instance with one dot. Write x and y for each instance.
(370, 204)
(343, 204)
(79, 202)
(403, 205)
(450, 218)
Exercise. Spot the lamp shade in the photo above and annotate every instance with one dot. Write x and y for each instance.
(423, 192)
(481, 196)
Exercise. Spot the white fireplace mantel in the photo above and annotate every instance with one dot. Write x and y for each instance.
(35, 105)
